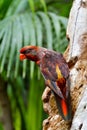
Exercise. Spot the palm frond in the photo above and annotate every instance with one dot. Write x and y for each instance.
(39, 35)
(32, 39)
(12, 8)
(5, 48)
(12, 49)
(39, 31)
(4, 41)
(48, 28)
(56, 24)
(31, 3)
(63, 20)
(23, 29)
(44, 5)
(18, 43)
(18, 6)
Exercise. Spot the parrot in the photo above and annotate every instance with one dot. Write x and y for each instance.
(55, 72)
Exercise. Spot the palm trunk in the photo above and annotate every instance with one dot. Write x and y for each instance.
(5, 111)
(76, 56)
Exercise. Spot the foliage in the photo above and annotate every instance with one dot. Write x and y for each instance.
(42, 29)
(25, 22)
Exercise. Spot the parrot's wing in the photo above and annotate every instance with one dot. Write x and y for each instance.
(53, 86)
(56, 76)
(63, 103)
(55, 73)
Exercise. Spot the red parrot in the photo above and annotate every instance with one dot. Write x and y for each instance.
(55, 71)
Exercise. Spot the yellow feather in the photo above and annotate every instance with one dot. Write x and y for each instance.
(58, 72)
(48, 81)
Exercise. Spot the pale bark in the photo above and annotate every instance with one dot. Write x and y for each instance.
(76, 56)
(5, 111)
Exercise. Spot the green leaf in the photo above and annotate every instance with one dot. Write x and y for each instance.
(44, 5)
(63, 20)
(13, 48)
(56, 24)
(25, 29)
(22, 6)
(2, 33)
(6, 48)
(38, 27)
(31, 3)
(4, 40)
(48, 28)
(13, 7)
(32, 39)
(4, 23)
(18, 42)
(31, 29)
(39, 36)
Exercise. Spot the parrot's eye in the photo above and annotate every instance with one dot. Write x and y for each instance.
(30, 51)
(27, 51)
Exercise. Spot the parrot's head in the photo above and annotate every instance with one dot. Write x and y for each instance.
(33, 53)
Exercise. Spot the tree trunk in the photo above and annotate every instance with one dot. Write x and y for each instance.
(76, 56)
(5, 111)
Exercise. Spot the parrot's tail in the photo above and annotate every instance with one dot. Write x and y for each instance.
(64, 107)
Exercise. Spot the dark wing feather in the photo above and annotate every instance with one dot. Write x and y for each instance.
(48, 69)
(56, 74)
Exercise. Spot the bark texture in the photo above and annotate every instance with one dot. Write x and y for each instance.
(76, 56)
(5, 111)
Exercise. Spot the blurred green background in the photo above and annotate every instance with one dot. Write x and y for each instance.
(28, 22)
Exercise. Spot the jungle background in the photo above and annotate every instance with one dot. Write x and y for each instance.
(27, 22)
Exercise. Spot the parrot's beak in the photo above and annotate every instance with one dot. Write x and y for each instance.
(22, 57)
(29, 52)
